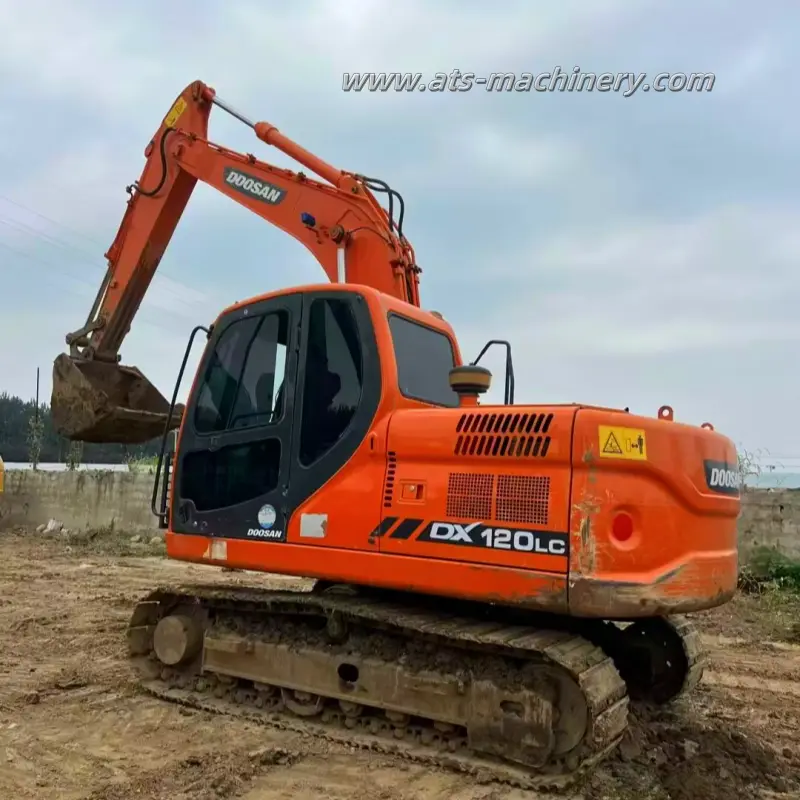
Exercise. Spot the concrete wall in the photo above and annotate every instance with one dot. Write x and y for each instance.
(771, 518)
(79, 499)
(85, 499)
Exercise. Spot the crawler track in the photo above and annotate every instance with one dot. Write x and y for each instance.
(505, 702)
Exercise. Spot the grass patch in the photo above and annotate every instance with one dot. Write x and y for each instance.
(142, 466)
(772, 580)
(768, 571)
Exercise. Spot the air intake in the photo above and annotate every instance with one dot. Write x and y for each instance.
(513, 499)
(514, 435)
(469, 495)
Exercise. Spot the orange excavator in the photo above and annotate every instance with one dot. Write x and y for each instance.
(492, 584)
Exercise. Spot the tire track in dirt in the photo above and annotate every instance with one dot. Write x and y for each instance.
(772, 667)
(754, 683)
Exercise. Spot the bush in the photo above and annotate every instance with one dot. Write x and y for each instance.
(146, 465)
(769, 569)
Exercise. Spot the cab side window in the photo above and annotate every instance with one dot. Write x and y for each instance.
(241, 385)
(424, 359)
(333, 377)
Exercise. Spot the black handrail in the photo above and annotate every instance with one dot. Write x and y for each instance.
(161, 514)
(509, 383)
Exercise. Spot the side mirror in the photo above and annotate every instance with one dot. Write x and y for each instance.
(508, 396)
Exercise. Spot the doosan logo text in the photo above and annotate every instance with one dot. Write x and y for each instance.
(724, 477)
(259, 533)
(253, 187)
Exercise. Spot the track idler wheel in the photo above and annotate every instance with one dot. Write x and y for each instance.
(177, 639)
(654, 661)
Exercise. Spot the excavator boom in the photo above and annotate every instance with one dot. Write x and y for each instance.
(338, 218)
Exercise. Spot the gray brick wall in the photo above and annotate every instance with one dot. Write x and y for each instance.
(770, 517)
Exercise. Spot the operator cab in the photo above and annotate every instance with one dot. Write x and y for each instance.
(287, 390)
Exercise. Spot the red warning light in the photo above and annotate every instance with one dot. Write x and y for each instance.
(622, 527)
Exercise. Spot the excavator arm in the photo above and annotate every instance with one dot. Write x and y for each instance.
(354, 238)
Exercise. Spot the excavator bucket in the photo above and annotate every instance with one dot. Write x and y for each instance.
(95, 401)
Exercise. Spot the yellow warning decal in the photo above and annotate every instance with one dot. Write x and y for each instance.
(175, 113)
(622, 443)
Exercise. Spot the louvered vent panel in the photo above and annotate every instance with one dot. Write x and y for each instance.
(523, 499)
(509, 434)
(388, 488)
(469, 496)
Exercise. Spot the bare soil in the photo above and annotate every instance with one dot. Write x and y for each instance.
(73, 724)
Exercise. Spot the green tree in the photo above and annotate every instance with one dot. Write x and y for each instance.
(22, 439)
(35, 436)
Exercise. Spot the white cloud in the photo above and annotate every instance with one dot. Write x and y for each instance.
(117, 61)
(723, 240)
(87, 54)
(715, 281)
(83, 188)
(751, 65)
(176, 297)
(508, 156)
(489, 155)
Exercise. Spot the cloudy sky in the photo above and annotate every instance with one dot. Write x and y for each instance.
(637, 251)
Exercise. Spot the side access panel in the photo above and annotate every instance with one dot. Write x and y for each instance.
(488, 486)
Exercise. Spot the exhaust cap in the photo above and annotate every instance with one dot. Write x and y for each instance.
(99, 402)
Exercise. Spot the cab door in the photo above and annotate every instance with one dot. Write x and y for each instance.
(337, 481)
(232, 467)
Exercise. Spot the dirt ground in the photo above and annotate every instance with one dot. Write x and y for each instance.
(73, 725)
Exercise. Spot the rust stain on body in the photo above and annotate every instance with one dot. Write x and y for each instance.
(588, 506)
(587, 552)
(668, 595)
